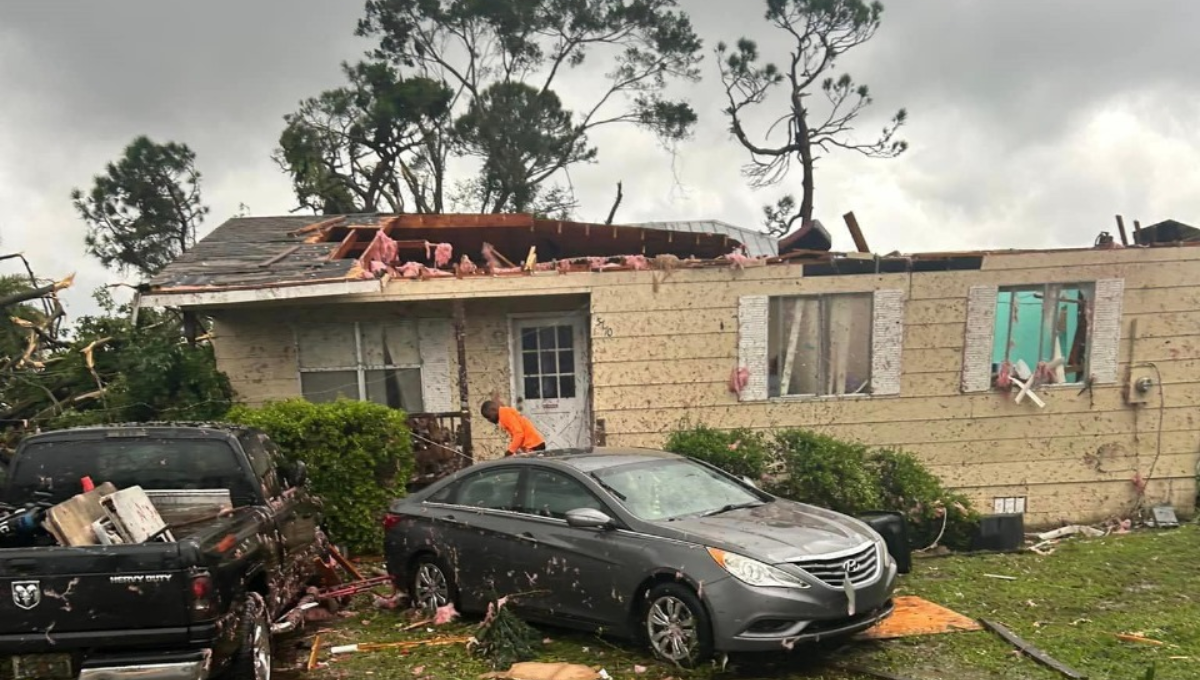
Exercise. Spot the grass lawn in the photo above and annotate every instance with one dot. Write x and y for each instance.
(1070, 604)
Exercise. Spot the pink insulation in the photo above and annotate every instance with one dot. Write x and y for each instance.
(411, 270)
(442, 254)
(738, 380)
(740, 261)
(637, 262)
(597, 263)
(466, 266)
(564, 266)
(381, 251)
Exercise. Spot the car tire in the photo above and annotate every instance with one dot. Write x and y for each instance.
(431, 583)
(676, 626)
(254, 657)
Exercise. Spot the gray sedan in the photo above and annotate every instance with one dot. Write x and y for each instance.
(641, 544)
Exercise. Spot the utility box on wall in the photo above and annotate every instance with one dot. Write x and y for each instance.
(1141, 385)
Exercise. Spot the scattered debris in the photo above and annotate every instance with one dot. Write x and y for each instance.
(915, 616)
(312, 653)
(1001, 577)
(1033, 652)
(504, 638)
(1164, 517)
(546, 671)
(1138, 637)
(1071, 530)
(409, 644)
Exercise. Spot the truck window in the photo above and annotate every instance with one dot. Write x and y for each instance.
(152, 463)
(255, 446)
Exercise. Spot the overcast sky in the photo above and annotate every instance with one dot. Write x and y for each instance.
(1032, 122)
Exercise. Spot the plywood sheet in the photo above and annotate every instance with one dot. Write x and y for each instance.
(70, 522)
(916, 616)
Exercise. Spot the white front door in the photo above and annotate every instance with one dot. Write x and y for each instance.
(550, 377)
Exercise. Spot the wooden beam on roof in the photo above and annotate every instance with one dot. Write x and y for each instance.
(276, 258)
(860, 242)
(324, 224)
(1121, 228)
(346, 246)
(453, 221)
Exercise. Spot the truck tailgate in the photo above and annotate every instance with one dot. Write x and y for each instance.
(52, 591)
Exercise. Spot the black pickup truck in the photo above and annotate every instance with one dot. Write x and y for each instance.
(196, 608)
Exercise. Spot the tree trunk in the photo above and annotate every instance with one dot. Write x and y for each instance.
(806, 164)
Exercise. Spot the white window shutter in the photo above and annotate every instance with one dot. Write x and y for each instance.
(436, 336)
(977, 348)
(752, 345)
(1105, 342)
(887, 341)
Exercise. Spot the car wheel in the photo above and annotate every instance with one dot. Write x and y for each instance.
(431, 583)
(676, 625)
(254, 658)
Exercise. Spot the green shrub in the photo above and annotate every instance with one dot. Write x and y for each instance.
(824, 471)
(359, 456)
(738, 452)
(909, 488)
(843, 476)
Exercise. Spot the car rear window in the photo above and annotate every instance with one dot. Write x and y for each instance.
(152, 463)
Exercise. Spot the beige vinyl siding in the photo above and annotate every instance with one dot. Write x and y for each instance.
(664, 347)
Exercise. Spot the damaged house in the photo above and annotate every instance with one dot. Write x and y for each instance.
(1062, 384)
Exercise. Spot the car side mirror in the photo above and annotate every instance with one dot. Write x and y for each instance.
(589, 518)
(298, 474)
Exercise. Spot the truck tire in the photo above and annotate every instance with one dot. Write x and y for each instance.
(253, 659)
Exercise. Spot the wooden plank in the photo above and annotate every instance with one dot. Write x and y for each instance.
(1104, 451)
(70, 522)
(934, 336)
(1162, 300)
(887, 432)
(936, 311)
(647, 324)
(1030, 473)
(680, 372)
(1035, 653)
(665, 348)
(1057, 259)
(940, 360)
(1150, 275)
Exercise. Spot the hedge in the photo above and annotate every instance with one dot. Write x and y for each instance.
(358, 454)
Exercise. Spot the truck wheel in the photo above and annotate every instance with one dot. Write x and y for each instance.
(431, 584)
(253, 659)
(676, 625)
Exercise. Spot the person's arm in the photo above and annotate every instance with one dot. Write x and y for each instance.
(510, 422)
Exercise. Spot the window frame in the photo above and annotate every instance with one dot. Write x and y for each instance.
(454, 491)
(360, 368)
(1087, 288)
(776, 301)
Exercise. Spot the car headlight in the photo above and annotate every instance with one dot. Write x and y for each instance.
(753, 572)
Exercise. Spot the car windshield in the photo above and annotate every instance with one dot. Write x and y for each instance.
(670, 488)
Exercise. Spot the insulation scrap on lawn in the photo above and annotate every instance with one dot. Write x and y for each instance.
(545, 671)
(915, 616)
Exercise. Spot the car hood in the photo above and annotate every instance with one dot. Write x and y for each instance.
(779, 531)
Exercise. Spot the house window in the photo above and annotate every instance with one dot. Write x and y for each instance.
(1042, 329)
(548, 362)
(377, 361)
(819, 345)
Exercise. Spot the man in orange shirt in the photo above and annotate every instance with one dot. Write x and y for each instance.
(524, 436)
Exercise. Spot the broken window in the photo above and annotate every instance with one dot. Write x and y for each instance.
(1042, 329)
(820, 345)
(370, 361)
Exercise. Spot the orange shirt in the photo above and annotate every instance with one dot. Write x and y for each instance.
(524, 435)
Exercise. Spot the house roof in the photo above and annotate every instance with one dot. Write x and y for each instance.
(261, 252)
(758, 244)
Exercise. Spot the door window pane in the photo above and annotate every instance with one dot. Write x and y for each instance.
(546, 337)
(566, 338)
(549, 387)
(494, 489)
(533, 388)
(328, 386)
(530, 362)
(566, 387)
(549, 363)
(552, 494)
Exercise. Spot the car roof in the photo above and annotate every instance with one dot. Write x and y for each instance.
(599, 458)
